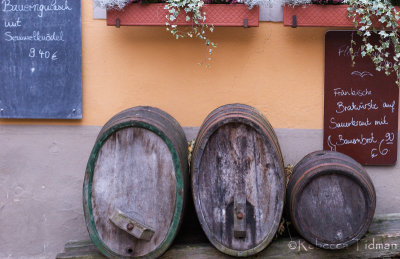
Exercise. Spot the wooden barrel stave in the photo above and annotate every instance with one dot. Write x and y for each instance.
(158, 193)
(240, 110)
(331, 199)
(146, 112)
(230, 128)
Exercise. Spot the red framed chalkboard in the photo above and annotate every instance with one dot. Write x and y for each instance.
(360, 104)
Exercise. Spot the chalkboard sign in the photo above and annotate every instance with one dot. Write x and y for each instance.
(40, 59)
(361, 104)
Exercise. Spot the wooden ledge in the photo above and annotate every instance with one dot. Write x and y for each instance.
(382, 240)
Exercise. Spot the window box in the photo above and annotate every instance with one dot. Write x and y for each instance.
(317, 15)
(154, 14)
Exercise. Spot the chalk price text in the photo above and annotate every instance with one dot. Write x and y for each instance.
(43, 54)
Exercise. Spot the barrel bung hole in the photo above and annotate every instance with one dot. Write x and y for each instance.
(129, 250)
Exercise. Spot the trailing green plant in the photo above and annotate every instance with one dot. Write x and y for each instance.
(296, 2)
(192, 12)
(111, 4)
(381, 18)
(191, 9)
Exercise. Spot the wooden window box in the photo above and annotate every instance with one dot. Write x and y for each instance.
(154, 14)
(313, 15)
(317, 15)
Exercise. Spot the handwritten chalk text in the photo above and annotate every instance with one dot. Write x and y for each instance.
(351, 92)
(356, 107)
(13, 24)
(36, 36)
(356, 141)
(352, 123)
(389, 105)
(53, 6)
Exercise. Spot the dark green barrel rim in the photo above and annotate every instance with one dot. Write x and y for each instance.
(87, 190)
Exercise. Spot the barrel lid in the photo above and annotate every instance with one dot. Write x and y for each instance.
(133, 189)
(238, 185)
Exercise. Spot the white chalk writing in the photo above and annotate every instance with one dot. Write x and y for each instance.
(43, 54)
(13, 24)
(341, 107)
(41, 9)
(352, 123)
(35, 36)
(391, 106)
(361, 74)
(381, 122)
(351, 92)
(361, 140)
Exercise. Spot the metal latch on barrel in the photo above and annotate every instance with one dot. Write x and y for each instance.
(239, 219)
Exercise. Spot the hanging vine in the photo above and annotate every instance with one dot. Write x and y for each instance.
(199, 28)
(381, 18)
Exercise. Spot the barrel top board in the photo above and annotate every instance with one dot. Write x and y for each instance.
(134, 172)
(236, 164)
(332, 200)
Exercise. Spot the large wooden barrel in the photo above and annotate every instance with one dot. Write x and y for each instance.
(135, 184)
(238, 180)
(331, 199)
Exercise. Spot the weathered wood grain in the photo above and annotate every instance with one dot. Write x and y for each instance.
(136, 183)
(236, 161)
(332, 207)
(237, 180)
(134, 172)
(382, 241)
(331, 199)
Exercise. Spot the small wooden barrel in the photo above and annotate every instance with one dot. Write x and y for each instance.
(135, 184)
(331, 199)
(238, 180)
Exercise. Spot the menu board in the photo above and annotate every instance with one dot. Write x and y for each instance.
(40, 59)
(360, 104)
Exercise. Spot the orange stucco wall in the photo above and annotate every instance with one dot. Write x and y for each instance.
(277, 69)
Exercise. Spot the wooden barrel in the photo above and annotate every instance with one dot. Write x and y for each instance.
(135, 184)
(238, 180)
(331, 199)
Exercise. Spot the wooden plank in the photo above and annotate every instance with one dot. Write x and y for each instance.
(131, 225)
(134, 172)
(384, 231)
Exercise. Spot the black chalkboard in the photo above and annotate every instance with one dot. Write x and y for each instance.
(40, 59)
(360, 104)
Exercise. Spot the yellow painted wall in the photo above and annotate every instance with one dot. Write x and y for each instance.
(277, 69)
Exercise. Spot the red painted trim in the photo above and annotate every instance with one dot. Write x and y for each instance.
(313, 15)
(154, 14)
(317, 15)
